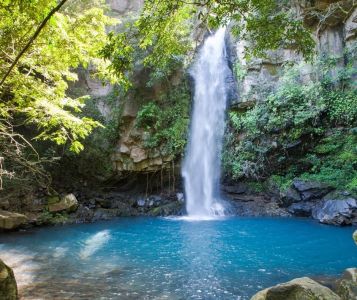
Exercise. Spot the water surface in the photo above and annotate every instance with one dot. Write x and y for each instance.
(148, 258)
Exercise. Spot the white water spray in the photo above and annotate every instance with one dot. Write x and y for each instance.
(201, 169)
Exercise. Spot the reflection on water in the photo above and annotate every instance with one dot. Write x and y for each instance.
(94, 243)
(144, 258)
(201, 260)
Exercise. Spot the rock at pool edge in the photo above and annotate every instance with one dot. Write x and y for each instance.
(300, 288)
(11, 220)
(8, 287)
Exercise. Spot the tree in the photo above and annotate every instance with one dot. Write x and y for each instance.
(40, 47)
(163, 32)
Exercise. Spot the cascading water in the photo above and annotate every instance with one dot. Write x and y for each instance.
(201, 169)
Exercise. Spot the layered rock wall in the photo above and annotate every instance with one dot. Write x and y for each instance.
(334, 26)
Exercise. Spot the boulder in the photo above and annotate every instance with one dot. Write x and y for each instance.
(68, 203)
(311, 189)
(11, 220)
(355, 236)
(336, 209)
(298, 289)
(8, 287)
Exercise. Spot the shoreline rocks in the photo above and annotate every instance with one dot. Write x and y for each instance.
(302, 199)
(8, 286)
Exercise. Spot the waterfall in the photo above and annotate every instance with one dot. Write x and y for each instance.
(201, 168)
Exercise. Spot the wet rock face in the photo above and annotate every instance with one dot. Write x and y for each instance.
(8, 287)
(301, 288)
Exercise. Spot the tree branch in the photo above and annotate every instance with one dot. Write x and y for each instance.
(32, 39)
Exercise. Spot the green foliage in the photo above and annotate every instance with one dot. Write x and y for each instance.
(334, 160)
(301, 130)
(34, 94)
(281, 182)
(166, 120)
(161, 37)
(94, 164)
(158, 40)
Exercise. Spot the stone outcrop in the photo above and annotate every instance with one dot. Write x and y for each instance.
(301, 288)
(303, 199)
(8, 286)
(131, 153)
(334, 24)
(11, 220)
(315, 199)
(67, 203)
(310, 190)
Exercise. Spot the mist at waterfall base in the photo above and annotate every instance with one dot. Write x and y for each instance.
(201, 168)
(157, 258)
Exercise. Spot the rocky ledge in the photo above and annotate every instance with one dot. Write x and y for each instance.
(89, 206)
(303, 199)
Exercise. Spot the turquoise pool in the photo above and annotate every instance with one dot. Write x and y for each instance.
(157, 258)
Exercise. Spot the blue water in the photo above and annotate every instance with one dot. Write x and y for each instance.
(148, 258)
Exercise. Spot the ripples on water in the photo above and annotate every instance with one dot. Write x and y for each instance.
(144, 258)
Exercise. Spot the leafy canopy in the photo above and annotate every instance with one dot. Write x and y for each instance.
(166, 31)
(34, 94)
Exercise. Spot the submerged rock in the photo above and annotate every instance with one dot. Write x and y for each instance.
(8, 287)
(68, 203)
(298, 289)
(336, 209)
(11, 220)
